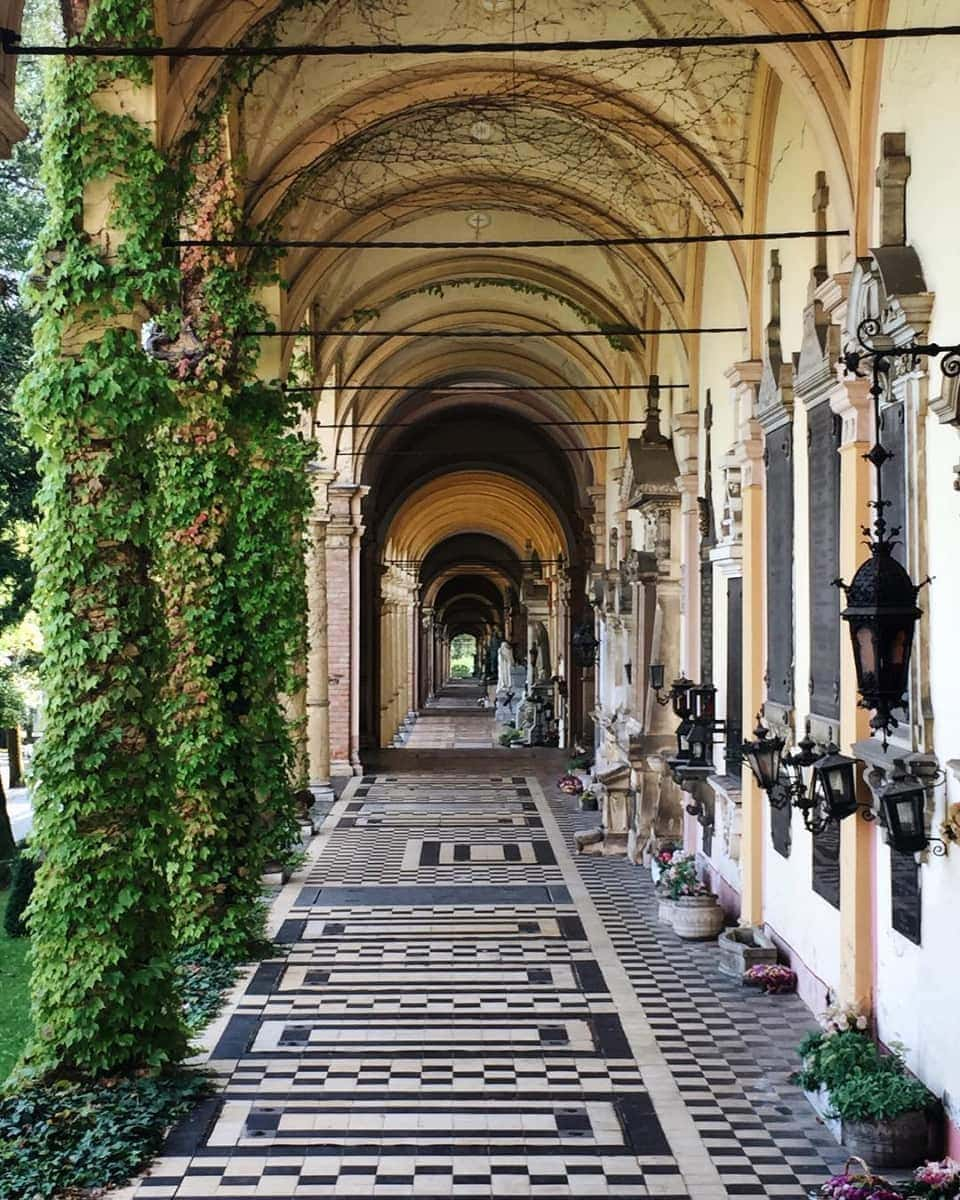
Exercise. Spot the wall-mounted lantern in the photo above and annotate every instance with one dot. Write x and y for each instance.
(585, 645)
(903, 810)
(763, 756)
(835, 778)
(830, 793)
(882, 607)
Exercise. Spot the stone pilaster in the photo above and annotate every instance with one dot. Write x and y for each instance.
(747, 453)
(318, 673)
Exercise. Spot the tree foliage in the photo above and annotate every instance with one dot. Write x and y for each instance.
(23, 209)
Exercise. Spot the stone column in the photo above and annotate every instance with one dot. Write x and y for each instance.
(748, 454)
(386, 671)
(413, 671)
(685, 433)
(318, 671)
(425, 664)
(343, 608)
(858, 839)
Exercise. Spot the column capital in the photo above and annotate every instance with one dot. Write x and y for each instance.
(853, 404)
(745, 374)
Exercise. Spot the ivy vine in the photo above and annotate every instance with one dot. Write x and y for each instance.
(103, 984)
(361, 316)
(169, 489)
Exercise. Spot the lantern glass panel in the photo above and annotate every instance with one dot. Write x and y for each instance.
(698, 742)
(904, 812)
(865, 654)
(656, 676)
(683, 738)
(837, 780)
(763, 757)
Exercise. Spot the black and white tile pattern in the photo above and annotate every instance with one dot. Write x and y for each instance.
(451, 1018)
(731, 1051)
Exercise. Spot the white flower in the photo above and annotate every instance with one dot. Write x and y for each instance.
(861, 1022)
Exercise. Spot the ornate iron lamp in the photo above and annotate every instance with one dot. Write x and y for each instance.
(835, 779)
(763, 756)
(831, 788)
(903, 810)
(678, 695)
(585, 645)
(808, 799)
(695, 705)
(882, 598)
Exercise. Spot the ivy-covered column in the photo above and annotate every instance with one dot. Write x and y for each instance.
(270, 546)
(234, 498)
(103, 987)
(216, 871)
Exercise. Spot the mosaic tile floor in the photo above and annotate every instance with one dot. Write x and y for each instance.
(452, 1017)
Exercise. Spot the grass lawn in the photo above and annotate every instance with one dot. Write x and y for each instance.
(14, 1006)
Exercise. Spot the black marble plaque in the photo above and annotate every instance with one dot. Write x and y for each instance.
(824, 531)
(894, 471)
(734, 681)
(779, 467)
(905, 894)
(706, 621)
(826, 864)
(780, 833)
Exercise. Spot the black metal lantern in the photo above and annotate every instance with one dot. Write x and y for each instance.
(703, 702)
(882, 598)
(763, 756)
(585, 645)
(683, 738)
(656, 676)
(882, 612)
(903, 808)
(835, 778)
(699, 743)
(680, 696)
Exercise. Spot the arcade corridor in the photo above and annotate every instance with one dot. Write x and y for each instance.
(464, 1010)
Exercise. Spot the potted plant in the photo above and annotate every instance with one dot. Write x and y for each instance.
(867, 1099)
(660, 861)
(772, 979)
(742, 948)
(691, 908)
(932, 1181)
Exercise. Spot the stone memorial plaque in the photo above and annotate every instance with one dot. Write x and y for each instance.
(824, 530)
(826, 864)
(779, 492)
(905, 895)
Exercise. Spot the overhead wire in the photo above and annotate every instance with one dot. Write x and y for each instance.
(689, 239)
(467, 389)
(11, 43)
(612, 331)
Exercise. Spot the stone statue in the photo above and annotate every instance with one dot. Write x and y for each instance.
(504, 667)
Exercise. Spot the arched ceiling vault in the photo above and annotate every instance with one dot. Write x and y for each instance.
(493, 581)
(595, 143)
(819, 72)
(483, 502)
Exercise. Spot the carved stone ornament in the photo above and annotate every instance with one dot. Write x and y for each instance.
(816, 370)
(775, 398)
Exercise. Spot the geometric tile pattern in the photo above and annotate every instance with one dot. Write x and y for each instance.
(731, 1050)
(439, 1024)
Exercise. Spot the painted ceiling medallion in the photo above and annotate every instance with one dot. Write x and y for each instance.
(482, 130)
